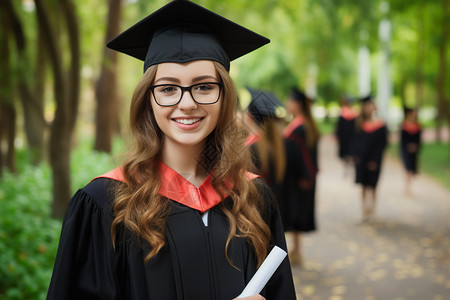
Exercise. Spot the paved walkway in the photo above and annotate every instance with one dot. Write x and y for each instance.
(402, 254)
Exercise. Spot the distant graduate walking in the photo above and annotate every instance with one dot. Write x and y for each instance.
(410, 142)
(183, 217)
(265, 120)
(370, 140)
(345, 128)
(302, 138)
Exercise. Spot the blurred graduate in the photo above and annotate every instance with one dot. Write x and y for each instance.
(370, 140)
(410, 142)
(345, 128)
(182, 217)
(264, 117)
(302, 138)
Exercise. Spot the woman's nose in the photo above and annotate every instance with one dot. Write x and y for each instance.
(187, 102)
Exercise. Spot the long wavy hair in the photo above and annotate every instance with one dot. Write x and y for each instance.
(138, 206)
(312, 133)
(270, 147)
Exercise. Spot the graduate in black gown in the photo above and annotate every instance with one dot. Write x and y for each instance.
(410, 142)
(302, 138)
(370, 140)
(345, 127)
(181, 218)
(264, 117)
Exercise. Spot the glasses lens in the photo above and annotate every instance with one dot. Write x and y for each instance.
(206, 93)
(203, 93)
(167, 94)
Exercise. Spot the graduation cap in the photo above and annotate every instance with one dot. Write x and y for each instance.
(298, 96)
(183, 31)
(407, 110)
(365, 99)
(347, 99)
(265, 105)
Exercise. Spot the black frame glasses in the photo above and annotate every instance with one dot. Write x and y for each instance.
(184, 89)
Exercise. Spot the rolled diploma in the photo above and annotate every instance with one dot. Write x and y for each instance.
(265, 271)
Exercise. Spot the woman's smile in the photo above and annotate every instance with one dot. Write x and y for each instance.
(186, 123)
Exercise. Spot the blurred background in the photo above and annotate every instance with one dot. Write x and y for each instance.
(64, 97)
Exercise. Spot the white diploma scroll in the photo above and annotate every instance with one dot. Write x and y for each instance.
(265, 271)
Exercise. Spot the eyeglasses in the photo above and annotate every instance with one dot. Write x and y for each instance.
(171, 94)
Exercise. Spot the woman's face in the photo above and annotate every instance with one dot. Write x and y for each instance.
(368, 108)
(293, 107)
(186, 123)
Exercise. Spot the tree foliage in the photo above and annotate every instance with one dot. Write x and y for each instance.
(314, 43)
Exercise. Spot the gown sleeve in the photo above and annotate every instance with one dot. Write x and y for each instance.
(280, 285)
(86, 265)
(378, 145)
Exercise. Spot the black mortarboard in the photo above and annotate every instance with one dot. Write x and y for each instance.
(407, 110)
(265, 105)
(347, 99)
(183, 31)
(365, 99)
(298, 96)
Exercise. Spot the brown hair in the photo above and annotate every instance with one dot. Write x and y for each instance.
(139, 207)
(312, 133)
(363, 117)
(271, 145)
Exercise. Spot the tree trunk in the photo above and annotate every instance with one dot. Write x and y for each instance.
(7, 109)
(420, 53)
(66, 90)
(33, 107)
(106, 117)
(443, 106)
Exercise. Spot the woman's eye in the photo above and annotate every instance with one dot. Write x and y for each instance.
(167, 89)
(203, 87)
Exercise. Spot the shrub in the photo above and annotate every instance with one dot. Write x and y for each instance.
(28, 235)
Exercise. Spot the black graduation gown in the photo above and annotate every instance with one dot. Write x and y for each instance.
(369, 143)
(345, 128)
(410, 135)
(302, 164)
(192, 265)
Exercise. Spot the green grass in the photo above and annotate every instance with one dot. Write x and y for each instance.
(326, 126)
(434, 160)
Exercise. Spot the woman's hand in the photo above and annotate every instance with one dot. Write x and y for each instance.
(254, 297)
(372, 166)
(411, 147)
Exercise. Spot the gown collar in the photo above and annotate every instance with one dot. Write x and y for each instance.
(371, 126)
(252, 139)
(296, 122)
(411, 127)
(179, 189)
(347, 113)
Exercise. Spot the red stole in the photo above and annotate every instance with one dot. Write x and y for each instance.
(347, 113)
(371, 126)
(291, 126)
(177, 188)
(252, 139)
(411, 127)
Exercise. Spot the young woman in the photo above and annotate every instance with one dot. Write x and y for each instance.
(302, 138)
(265, 120)
(410, 145)
(182, 218)
(370, 139)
